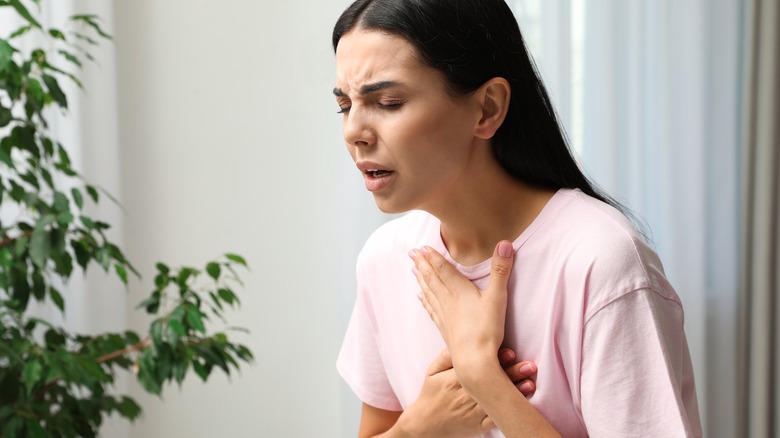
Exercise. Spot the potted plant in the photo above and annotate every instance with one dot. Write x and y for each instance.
(54, 382)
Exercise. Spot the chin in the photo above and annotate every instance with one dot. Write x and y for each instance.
(391, 208)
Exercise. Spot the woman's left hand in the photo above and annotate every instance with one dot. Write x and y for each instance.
(470, 321)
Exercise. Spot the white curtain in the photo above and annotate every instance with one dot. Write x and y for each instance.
(759, 397)
(649, 92)
(88, 130)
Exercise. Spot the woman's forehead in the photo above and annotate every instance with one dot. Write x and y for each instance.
(368, 56)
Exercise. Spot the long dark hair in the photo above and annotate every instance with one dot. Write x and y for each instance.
(471, 42)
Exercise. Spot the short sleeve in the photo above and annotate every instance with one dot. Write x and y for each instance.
(360, 361)
(636, 376)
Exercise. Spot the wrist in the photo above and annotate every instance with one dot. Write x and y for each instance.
(473, 369)
(403, 428)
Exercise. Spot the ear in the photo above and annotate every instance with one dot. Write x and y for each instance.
(493, 97)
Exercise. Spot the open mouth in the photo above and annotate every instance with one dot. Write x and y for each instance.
(374, 173)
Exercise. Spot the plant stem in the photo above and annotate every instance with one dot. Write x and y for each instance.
(139, 346)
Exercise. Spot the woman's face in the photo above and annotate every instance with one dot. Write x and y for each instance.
(412, 142)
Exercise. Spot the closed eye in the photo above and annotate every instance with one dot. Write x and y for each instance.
(390, 105)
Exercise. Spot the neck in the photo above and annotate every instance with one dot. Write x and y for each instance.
(489, 206)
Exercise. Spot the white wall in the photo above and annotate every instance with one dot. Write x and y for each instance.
(231, 142)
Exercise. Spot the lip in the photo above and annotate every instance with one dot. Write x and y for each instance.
(375, 183)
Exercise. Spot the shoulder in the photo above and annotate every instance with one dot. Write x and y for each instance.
(603, 245)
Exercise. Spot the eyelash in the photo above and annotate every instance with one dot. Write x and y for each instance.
(385, 106)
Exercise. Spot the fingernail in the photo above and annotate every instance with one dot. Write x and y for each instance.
(414, 270)
(505, 249)
(525, 387)
(507, 354)
(412, 253)
(526, 368)
(424, 250)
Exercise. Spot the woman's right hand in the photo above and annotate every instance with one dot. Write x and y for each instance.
(444, 409)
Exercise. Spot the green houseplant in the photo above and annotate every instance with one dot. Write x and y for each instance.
(54, 382)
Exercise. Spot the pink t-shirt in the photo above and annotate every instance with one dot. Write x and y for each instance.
(588, 303)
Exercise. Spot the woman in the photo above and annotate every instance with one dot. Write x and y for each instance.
(511, 246)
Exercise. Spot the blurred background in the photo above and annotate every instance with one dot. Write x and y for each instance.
(214, 125)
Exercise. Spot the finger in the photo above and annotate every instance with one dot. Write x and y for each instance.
(527, 387)
(487, 424)
(443, 362)
(507, 357)
(426, 305)
(438, 271)
(501, 266)
(521, 371)
(426, 296)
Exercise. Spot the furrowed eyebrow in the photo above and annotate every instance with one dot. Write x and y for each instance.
(368, 88)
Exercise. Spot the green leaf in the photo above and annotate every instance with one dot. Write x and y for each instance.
(35, 430)
(53, 338)
(70, 57)
(213, 270)
(31, 374)
(24, 12)
(177, 327)
(227, 295)
(152, 304)
(93, 193)
(19, 32)
(146, 372)
(85, 38)
(63, 264)
(35, 94)
(103, 256)
(61, 202)
(6, 52)
(81, 252)
(25, 138)
(13, 427)
(87, 222)
(156, 332)
(184, 275)
(40, 243)
(55, 90)
(5, 118)
(91, 21)
(48, 146)
(6, 258)
(243, 353)
(129, 409)
(77, 197)
(57, 299)
(180, 370)
(6, 158)
(46, 175)
(195, 321)
(200, 370)
(57, 34)
(236, 258)
(121, 272)
(38, 286)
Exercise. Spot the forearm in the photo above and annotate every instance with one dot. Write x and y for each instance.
(485, 381)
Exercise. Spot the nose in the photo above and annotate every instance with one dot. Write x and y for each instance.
(357, 129)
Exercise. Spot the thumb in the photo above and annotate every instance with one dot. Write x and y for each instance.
(501, 266)
(443, 362)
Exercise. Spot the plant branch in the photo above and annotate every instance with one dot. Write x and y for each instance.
(137, 347)
(6, 240)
